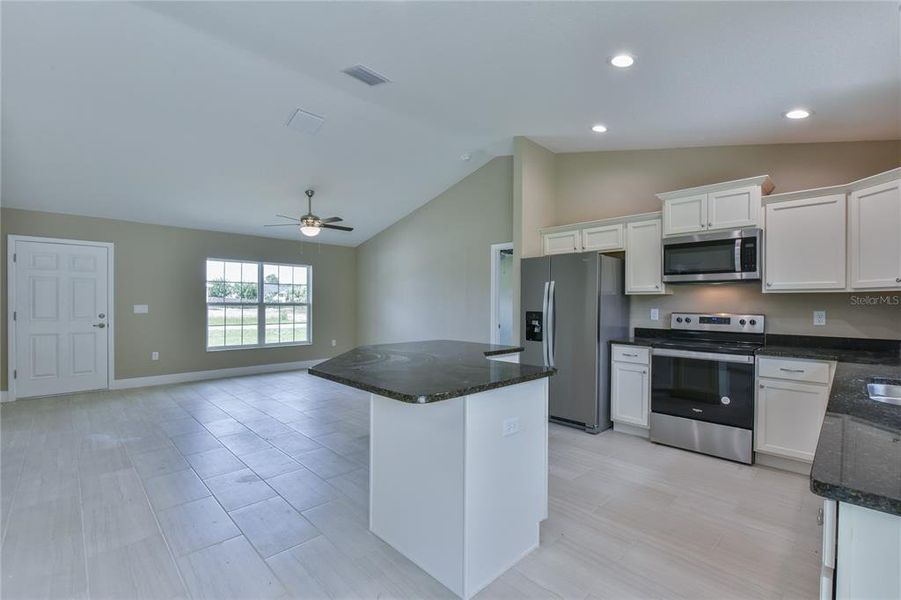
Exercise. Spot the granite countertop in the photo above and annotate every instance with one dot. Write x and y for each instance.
(429, 371)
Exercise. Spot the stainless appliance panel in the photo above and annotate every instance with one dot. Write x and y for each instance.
(574, 338)
(535, 274)
(613, 324)
(732, 443)
(719, 256)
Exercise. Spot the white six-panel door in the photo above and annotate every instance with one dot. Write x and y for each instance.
(61, 318)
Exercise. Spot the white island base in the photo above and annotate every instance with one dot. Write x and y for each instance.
(459, 486)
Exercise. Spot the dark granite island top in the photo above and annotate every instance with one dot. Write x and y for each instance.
(429, 371)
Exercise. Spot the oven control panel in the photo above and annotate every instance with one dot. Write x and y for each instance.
(718, 322)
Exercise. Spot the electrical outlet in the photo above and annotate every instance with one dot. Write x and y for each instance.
(154, 356)
(334, 343)
(655, 314)
(511, 426)
(819, 317)
(141, 309)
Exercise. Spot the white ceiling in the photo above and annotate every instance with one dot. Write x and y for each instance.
(175, 112)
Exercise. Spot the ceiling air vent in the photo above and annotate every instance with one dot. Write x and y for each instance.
(366, 75)
(304, 121)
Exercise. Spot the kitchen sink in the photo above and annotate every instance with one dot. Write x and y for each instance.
(885, 390)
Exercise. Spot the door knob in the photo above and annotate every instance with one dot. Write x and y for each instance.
(99, 325)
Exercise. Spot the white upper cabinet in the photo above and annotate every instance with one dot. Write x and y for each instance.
(805, 242)
(603, 238)
(608, 235)
(733, 209)
(685, 215)
(874, 215)
(562, 242)
(728, 205)
(644, 273)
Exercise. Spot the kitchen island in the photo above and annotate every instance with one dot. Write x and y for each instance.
(458, 454)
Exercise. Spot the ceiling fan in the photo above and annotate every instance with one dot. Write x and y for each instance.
(310, 224)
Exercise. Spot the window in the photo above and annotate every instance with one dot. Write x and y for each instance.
(250, 304)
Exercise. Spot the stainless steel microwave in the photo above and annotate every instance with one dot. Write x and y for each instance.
(717, 256)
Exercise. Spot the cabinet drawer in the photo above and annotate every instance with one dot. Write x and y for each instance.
(633, 354)
(795, 370)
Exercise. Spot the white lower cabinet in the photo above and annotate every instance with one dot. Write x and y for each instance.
(630, 389)
(790, 412)
(867, 557)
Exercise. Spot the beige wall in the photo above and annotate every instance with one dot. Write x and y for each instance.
(786, 313)
(428, 276)
(164, 267)
(597, 185)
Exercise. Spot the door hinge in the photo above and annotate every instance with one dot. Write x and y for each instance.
(15, 374)
(14, 315)
(14, 257)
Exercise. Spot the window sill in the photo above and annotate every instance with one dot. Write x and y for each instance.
(265, 347)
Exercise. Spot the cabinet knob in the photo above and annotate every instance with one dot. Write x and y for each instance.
(762, 386)
(897, 279)
(710, 224)
(769, 284)
(657, 286)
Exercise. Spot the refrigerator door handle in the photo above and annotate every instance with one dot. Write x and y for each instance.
(552, 319)
(544, 324)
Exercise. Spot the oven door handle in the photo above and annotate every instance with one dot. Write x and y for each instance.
(712, 356)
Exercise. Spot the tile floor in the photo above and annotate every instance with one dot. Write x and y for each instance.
(257, 487)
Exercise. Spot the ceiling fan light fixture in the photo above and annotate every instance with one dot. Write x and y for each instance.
(309, 230)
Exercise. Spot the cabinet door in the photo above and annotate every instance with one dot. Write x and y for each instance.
(562, 242)
(805, 244)
(731, 209)
(685, 215)
(644, 269)
(629, 394)
(603, 238)
(789, 416)
(875, 220)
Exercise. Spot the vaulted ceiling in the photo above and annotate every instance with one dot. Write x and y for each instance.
(175, 112)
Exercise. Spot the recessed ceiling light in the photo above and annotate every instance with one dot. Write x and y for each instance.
(622, 61)
(599, 128)
(797, 113)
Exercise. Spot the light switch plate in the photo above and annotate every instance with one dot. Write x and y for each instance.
(655, 314)
(819, 317)
(141, 309)
(154, 356)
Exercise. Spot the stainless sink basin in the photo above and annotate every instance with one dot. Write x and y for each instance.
(885, 390)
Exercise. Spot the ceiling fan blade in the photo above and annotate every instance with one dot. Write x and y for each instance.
(281, 225)
(331, 220)
(287, 217)
(338, 227)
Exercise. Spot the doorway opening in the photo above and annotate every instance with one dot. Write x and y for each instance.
(502, 294)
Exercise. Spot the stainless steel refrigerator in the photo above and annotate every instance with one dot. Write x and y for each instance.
(571, 306)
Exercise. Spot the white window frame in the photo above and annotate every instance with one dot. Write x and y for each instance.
(260, 305)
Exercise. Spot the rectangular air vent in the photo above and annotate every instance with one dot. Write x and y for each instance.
(366, 75)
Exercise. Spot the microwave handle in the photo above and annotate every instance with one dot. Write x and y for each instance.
(738, 255)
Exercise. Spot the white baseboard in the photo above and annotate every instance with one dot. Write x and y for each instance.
(4, 396)
(631, 429)
(784, 464)
(135, 382)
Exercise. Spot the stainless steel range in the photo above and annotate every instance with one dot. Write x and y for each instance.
(702, 384)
